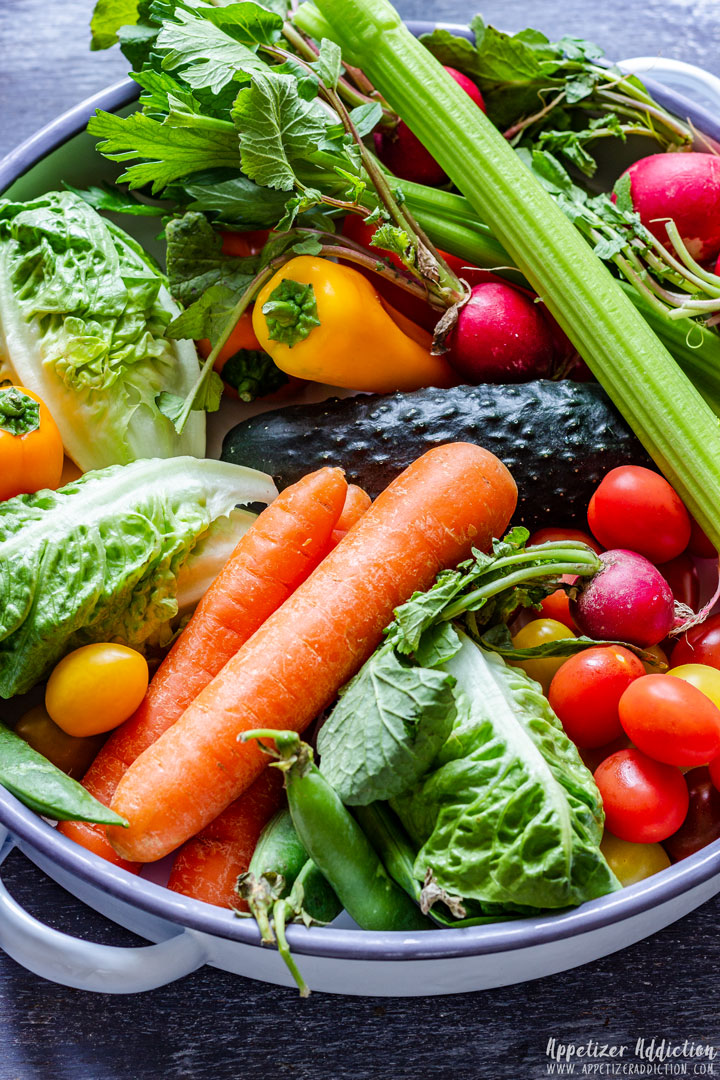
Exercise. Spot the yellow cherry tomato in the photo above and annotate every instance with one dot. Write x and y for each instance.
(96, 687)
(633, 862)
(661, 660)
(540, 632)
(71, 754)
(706, 679)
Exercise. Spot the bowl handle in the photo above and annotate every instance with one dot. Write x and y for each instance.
(86, 965)
(695, 83)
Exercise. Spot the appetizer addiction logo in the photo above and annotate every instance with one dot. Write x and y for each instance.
(644, 1057)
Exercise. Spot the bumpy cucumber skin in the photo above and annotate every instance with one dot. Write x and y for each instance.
(557, 438)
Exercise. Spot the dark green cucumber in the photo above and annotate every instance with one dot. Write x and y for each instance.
(557, 438)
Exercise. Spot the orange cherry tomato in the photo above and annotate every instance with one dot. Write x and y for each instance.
(671, 720)
(31, 450)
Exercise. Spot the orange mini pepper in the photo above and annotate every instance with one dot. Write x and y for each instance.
(31, 449)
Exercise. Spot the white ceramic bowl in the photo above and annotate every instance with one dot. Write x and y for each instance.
(342, 958)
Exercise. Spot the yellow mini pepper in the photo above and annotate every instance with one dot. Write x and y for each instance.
(323, 321)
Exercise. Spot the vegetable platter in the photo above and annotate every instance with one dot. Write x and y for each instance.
(445, 887)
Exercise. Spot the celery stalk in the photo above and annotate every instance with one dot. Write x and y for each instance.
(667, 413)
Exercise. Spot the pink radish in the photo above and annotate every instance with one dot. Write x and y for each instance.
(501, 336)
(686, 188)
(628, 600)
(405, 155)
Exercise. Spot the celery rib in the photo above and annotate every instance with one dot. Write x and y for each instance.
(669, 416)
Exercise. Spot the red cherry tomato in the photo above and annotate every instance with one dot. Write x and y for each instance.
(636, 509)
(702, 824)
(546, 536)
(244, 244)
(682, 576)
(700, 645)
(585, 693)
(699, 544)
(644, 800)
(671, 720)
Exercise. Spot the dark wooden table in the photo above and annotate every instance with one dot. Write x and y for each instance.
(218, 1026)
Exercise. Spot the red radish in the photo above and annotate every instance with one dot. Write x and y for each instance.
(628, 600)
(686, 188)
(501, 336)
(405, 155)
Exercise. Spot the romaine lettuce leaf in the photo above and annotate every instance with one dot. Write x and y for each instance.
(509, 815)
(83, 312)
(101, 559)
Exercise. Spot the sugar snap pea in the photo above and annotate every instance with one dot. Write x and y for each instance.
(337, 844)
(284, 884)
(43, 787)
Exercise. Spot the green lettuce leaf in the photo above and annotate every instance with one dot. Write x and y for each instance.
(83, 316)
(509, 816)
(101, 559)
(386, 729)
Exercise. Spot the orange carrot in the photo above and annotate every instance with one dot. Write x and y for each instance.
(357, 502)
(452, 498)
(276, 554)
(207, 868)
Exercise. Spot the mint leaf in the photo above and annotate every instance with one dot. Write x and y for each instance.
(386, 729)
(291, 312)
(195, 260)
(169, 152)
(277, 128)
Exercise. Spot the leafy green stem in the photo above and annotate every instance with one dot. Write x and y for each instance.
(558, 569)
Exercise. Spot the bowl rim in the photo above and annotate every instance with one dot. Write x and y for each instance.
(42, 838)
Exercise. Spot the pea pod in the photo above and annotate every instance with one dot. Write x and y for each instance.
(283, 884)
(36, 782)
(337, 844)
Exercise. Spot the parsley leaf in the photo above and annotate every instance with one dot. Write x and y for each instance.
(207, 56)
(170, 151)
(277, 129)
(107, 18)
